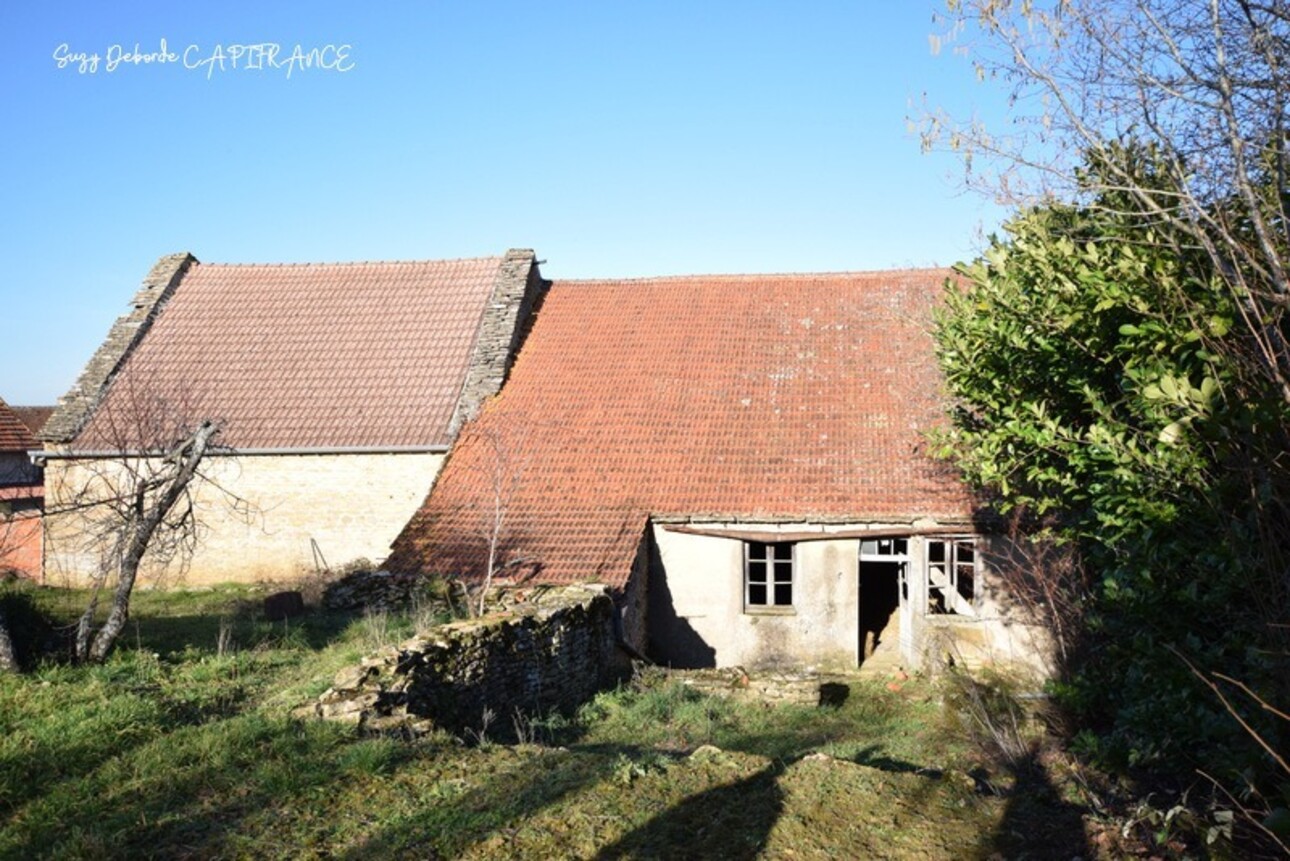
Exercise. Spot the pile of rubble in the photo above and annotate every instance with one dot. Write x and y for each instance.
(378, 590)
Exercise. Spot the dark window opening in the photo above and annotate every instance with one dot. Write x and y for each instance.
(768, 574)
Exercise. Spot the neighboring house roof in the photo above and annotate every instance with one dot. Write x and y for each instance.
(758, 398)
(33, 417)
(306, 356)
(15, 436)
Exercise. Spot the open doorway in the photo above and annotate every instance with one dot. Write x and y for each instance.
(883, 564)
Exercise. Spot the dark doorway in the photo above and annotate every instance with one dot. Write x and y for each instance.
(879, 601)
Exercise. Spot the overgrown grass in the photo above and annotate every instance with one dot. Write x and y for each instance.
(180, 748)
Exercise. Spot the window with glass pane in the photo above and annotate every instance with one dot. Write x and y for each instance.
(768, 574)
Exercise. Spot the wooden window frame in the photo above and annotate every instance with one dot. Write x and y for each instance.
(952, 567)
(770, 576)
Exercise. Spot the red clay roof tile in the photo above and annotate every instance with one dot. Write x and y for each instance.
(737, 397)
(14, 433)
(308, 355)
(33, 417)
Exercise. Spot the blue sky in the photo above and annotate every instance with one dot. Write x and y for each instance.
(616, 139)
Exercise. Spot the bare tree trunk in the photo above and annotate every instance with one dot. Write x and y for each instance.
(183, 459)
(494, 536)
(85, 626)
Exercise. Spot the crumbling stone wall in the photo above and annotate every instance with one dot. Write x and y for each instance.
(552, 653)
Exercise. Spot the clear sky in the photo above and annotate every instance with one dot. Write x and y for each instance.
(614, 138)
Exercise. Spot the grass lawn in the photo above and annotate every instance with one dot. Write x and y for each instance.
(177, 748)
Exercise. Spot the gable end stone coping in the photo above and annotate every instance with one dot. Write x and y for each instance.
(501, 328)
(75, 408)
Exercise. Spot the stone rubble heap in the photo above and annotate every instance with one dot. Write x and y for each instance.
(378, 590)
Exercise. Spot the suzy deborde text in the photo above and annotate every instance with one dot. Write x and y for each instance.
(239, 57)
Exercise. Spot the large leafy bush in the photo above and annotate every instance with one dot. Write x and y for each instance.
(1102, 388)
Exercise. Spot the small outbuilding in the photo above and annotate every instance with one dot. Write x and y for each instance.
(745, 461)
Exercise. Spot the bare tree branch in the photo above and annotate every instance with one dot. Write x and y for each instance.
(1204, 87)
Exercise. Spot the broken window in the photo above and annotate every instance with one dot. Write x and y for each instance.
(768, 574)
(951, 576)
(893, 550)
(881, 549)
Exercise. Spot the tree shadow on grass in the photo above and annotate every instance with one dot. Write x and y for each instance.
(870, 758)
(730, 821)
(450, 825)
(1037, 822)
(139, 704)
(734, 820)
(190, 794)
(131, 702)
(172, 635)
(132, 718)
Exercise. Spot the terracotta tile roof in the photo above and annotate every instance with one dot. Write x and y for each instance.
(14, 434)
(732, 397)
(309, 355)
(33, 417)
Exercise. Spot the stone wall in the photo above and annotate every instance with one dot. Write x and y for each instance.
(470, 678)
(633, 601)
(501, 329)
(281, 508)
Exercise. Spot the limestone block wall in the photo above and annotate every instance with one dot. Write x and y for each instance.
(501, 329)
(472, 677)
(263, 516)
(632, 602)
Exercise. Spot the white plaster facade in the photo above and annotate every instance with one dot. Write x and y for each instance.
(698, 615)
(294, 511)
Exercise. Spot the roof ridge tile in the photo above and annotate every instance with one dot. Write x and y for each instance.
(839, 275)
(300, 264)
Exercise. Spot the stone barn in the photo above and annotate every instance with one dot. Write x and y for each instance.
(338, 388)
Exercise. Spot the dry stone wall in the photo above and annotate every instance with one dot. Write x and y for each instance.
(471, 678)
